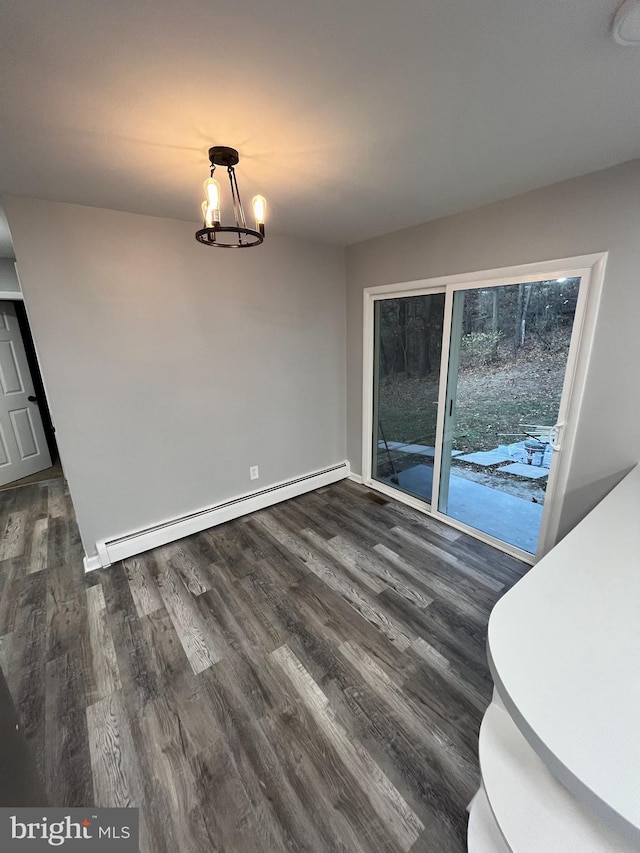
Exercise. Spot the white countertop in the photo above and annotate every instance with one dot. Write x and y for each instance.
(564, 648)
(533, 811)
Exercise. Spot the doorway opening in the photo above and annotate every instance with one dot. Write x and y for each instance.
(28, 449)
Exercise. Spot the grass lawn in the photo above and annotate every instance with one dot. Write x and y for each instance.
(491, 400)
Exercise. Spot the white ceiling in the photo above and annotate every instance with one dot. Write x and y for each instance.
(353, 117)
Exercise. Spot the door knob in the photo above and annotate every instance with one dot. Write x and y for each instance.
(32, 399)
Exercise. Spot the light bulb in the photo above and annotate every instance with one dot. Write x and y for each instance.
(207, 214)
(259, 211)
(212, 192)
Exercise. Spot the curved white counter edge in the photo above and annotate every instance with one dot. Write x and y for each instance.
(583, 793)
(534, 812)
(563, 645)
(484, 833)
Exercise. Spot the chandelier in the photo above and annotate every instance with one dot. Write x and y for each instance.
(231, 236)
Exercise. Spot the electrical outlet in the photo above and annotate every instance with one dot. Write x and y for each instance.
(253, 472)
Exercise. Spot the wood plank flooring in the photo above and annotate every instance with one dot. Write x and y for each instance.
(308, 678)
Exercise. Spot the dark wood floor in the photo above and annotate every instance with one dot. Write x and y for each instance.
(308, 678)
(52, 473)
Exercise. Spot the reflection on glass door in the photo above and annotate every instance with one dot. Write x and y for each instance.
(407, 350)
(507, 361)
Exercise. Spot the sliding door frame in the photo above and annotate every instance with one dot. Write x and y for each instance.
(369, 362)
(590, 269)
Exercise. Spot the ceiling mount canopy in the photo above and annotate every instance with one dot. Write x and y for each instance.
(236, 235)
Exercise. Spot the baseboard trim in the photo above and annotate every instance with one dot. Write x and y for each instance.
(91, 563)
(112, 550)
(357, 478)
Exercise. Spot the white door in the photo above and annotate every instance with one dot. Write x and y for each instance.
(23, 445)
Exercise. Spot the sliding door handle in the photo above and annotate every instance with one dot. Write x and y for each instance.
(554, 437)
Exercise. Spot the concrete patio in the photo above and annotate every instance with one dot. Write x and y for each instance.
(492, 510)
(508, 518)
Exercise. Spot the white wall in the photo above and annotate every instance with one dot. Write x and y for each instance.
(8, 278)
(171, 367)
(594, 213)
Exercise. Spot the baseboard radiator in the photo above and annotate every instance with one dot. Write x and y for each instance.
(130, 544)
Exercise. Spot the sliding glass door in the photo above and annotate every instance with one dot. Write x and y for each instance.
(470, 390)
(508, 351)
(408, 348)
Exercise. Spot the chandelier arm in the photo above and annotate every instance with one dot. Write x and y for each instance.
(234, 200)
(243, 221)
